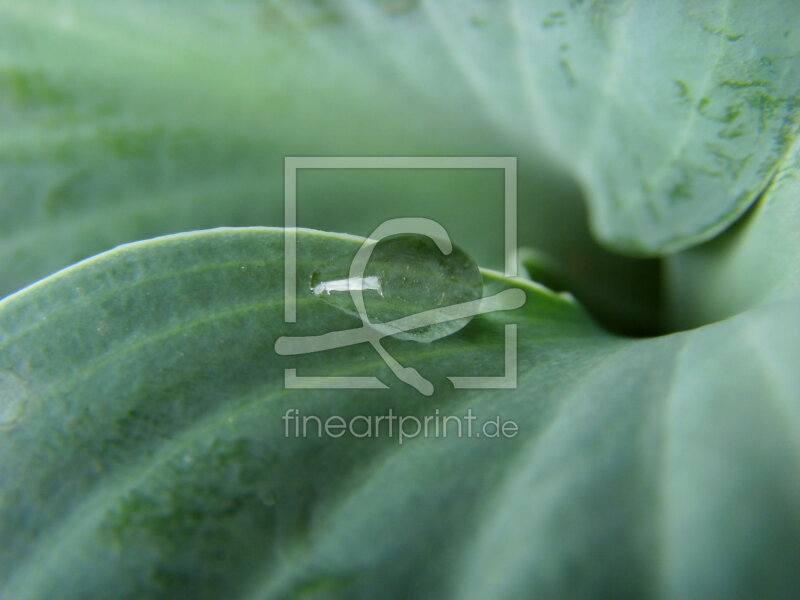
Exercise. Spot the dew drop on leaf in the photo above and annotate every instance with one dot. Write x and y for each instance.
(406, 274)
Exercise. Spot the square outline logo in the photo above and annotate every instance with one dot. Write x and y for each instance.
(292, 164)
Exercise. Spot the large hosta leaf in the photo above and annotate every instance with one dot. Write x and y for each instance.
(674, 115)
(168, 116)
(144, 452)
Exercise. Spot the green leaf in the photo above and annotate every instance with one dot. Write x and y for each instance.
(674, 116)
(143, 446)
(145, 453)
(754, 263)
(148, 118)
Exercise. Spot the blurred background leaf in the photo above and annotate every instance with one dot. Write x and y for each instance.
(126, 121)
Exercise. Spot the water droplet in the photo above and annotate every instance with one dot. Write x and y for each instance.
(12, 397)
(406, 274)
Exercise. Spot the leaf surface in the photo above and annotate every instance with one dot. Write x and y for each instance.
(146, 454)
(127, 122)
